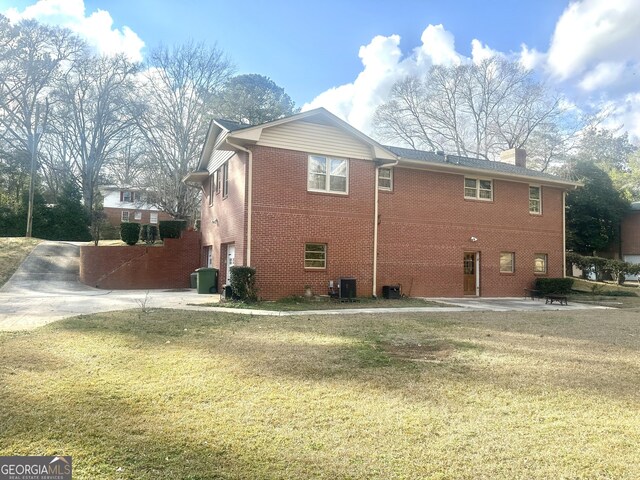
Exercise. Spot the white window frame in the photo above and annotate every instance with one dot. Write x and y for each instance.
(477, 189)
(539, 200)
(545, 260)
(125, 194)
(153, 218)
(512, 262)
(225, 179)
(388, 188)
(122, 216)
(323, 260)
(328, 175)
(137, 216)
(211, 188)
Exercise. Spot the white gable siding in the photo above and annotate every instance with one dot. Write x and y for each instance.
(313, 138)
(218, 157)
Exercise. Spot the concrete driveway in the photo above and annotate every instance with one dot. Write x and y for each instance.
(45, 288)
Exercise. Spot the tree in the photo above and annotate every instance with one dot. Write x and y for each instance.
(179, 91)
(254, 99)
(94, 116)
(472, 109)
(70, 220)
(33, 57)
(594, 212)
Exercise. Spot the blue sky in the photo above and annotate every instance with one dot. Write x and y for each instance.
(345, 55)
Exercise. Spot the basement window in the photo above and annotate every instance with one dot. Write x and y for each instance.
(315, 255)
(540, 263)
(507, 262)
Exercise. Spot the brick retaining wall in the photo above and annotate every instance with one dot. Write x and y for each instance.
(139, 266)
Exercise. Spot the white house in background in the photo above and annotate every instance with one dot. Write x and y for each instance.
(129, 204)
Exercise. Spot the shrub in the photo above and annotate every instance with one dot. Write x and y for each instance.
(243, 283)
(172, 228)
(149, 234)
(130, 232)
(560, 286)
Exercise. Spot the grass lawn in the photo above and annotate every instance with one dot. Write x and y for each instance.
(607, 294)
(293, 304)
(13, 250)
(191, 395)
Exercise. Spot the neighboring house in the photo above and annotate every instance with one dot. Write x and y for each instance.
(129, 204)
(630, 237)
(308, 199)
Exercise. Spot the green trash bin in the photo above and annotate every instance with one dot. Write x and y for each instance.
(207, 280)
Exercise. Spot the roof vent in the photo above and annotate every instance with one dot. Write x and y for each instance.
(440, 152)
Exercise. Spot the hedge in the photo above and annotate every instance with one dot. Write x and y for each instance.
(130, 232)
(243, 283)
(561, 286)
(172, 228)
(149, 234)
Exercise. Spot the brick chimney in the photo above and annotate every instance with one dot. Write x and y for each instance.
(515, 156)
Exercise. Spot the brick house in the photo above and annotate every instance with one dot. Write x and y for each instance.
(308, 199)
(129, 204)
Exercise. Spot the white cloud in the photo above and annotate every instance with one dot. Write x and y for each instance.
(594, 31)
(97, 28)
(530, 58)
(480, 52)
(603, 75)
(383, 64)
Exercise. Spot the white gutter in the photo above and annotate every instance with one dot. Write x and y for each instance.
(453, 168)
(375, 226)
(249, 198)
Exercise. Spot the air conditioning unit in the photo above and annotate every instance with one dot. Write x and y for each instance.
(391, 291)
(347, 288)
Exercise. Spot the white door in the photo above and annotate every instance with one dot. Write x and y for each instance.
(231, 261)
(209, 257)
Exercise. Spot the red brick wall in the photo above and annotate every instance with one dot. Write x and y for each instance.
(231, 215)
(114, 215)
(286, 216)
(135, 267)
(631, 234)
(426, 225)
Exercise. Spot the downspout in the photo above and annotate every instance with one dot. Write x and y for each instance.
(564, 234)
(249, 198)
(375, 225)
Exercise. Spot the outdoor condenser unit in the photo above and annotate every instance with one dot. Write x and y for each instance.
(347, 288)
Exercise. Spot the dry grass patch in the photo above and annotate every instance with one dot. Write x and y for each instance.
(13, 251)
(174, 394)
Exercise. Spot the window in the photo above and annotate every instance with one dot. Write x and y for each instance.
(217, 181)
(225, 179)
(212, 186)
(535, 199)
(540, 263)
(137, 215)
(507, 262)
(153, 217)
(315, 255)
(385, 179)
(136, 196)
(126, 196)
(479, 189)
(125, 216)
(327, 174)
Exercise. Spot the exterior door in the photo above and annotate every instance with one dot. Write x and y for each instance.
(231, 261)
(470, 273)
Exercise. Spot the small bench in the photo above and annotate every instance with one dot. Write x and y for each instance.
(532, 293)
(562, 299)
